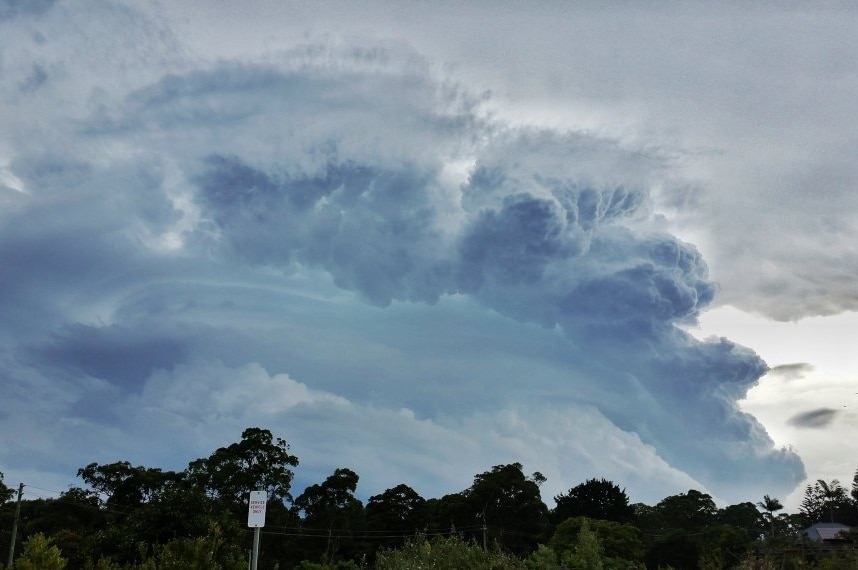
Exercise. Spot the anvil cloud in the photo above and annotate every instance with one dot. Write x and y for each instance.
(345, 243)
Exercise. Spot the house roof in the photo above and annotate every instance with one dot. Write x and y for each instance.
(825, 531)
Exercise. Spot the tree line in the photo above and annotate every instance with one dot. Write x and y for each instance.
(127, 517)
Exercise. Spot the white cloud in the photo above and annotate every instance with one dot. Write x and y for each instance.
(204, 405)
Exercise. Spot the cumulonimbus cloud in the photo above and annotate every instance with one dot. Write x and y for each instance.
(362, 165)
(546, 231)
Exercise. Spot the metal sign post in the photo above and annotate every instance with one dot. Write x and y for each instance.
(256, 520)
(255, 559)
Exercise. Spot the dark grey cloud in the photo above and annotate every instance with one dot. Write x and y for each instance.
(793, 371)
(123, 356)
(371, 228)
(37, 77)
(14, 8)
(76, 239)
(813, 419)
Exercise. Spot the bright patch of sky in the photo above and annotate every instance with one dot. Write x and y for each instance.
(814, 369)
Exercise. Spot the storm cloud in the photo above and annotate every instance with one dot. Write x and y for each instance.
(813, 419)
(792, 371)
(348, 231)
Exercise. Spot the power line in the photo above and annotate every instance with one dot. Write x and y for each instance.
(65, 498)
(358, 535)
(367, 531)
(47, 490)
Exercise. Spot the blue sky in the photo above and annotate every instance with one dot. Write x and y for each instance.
(419, 240)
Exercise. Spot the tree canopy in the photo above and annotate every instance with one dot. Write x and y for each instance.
(596, 499)
(124, 485)
(257, 462)
(129, 517)
(509, 504)
(824, 500)
(5, 492)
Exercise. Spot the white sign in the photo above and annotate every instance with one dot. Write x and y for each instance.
(256, 509)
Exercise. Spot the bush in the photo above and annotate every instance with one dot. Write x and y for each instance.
(40, 554)
(443, 553)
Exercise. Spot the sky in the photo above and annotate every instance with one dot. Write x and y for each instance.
(601, 239)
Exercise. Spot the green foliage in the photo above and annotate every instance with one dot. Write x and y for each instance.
(839, 560)
(691, 510)
(543, 558)
(450, 512)
(399, 508)
(620, 542)
(154, 520)
(711, 560)
(770, 505)
(341, 565)
(72, 521)
(124, 485)
(182, 511)
(503, 505)
(510, 505)
(724, 546)
(744, 516)
(203, 553)
(207, 553)
(396, 512)
(678, 549)
(854, 492)
(825, 501)
(5, 492)
(441, 553)
(331, 510)
(102, 564)
(596, 499)
(110, 532)
(588, 553)
(40, 554)
(330, 499)
(258, 461)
